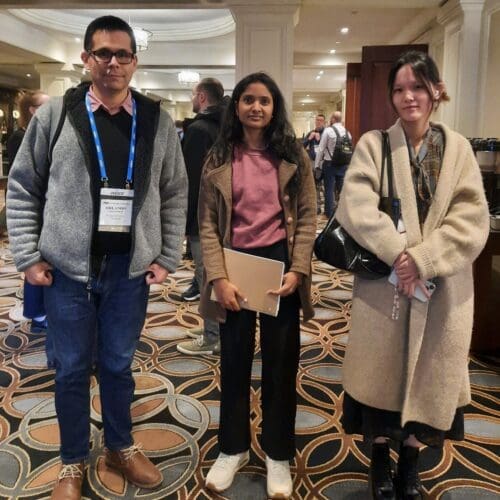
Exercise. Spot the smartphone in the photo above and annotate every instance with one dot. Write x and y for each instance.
(419, 294)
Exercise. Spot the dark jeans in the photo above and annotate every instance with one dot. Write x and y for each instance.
(115, 307)
(333, 180)
(280, 347)
(33, 307)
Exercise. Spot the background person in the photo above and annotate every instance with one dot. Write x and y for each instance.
(258, 164)
(333, 173)
(416, 359)
(198, 139)
(311, 144)
(33, 306)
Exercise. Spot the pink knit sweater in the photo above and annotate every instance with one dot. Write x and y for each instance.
(257, 218)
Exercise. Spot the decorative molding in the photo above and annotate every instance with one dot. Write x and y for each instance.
(163, 29)
(450, 11)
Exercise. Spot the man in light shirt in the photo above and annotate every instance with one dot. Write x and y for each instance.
(333, 173)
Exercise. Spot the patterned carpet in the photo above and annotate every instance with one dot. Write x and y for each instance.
(177, 406)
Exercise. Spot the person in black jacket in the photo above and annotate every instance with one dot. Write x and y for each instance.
(208, 104)
(311, 143)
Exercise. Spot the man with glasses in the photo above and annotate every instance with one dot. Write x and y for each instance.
(96, 225)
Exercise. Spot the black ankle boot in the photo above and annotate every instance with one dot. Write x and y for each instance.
(407, 480)
(380, 473)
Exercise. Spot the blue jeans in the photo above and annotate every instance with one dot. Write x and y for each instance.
(333, 179)
(33, 307)
(115, 307)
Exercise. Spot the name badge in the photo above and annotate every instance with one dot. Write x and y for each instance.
(115, 214)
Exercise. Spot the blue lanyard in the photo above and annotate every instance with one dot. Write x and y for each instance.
(98, 147)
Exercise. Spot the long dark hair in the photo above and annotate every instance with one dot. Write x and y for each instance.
(279, 135)
(425, 70)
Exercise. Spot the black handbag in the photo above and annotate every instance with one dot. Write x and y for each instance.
(337, 248)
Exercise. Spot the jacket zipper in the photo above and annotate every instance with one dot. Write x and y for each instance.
(134, 215)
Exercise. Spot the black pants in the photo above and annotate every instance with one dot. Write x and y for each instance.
(280, 348)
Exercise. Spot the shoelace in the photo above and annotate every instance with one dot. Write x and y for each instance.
(411, 477)
(223, 461)
(70, 470)
(199, 341)
(132, 450)
(278, 467)
(382, 469)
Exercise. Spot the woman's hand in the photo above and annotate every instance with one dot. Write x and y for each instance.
(406, 269)
(228, 294)
(408, 289)
(291, 281)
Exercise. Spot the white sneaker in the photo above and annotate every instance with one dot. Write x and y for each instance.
(221, 474)
(279, 480)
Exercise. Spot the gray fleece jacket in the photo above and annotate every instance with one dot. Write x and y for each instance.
(51, 204)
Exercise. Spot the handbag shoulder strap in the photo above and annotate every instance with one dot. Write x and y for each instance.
(386, 159)
(392, 205)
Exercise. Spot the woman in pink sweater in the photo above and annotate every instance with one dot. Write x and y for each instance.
(257, 196)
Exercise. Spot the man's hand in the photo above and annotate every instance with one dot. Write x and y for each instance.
(313, 136)
(39, 274)
(228, 294)
(156, 274)
(291, 281)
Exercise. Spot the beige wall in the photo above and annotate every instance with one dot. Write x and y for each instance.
(491, 123)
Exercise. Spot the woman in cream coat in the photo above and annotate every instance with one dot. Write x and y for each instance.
(405, 370)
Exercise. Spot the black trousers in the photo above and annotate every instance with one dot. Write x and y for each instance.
(280, 348)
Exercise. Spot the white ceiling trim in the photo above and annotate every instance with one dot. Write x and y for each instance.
(164, 29)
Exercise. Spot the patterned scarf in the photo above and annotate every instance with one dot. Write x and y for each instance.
(425, 169)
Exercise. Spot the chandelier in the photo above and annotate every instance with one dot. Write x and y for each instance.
(188, 78)
(142, 37)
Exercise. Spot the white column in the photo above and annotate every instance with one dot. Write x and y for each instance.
(55, 82)
(461, 60)
(489, 73)
(264, 40)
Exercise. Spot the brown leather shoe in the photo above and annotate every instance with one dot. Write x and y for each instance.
(135, 466)
(69, 483)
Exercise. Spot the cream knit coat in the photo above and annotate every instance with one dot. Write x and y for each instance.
(418, 364)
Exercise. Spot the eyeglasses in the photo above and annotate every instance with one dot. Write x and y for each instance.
(105, 56)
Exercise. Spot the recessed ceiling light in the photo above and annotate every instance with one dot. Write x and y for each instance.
(338, 43)
(307, 95)
(321, 72)
(28, 75)
(318, 77)
(78, 39)
(303, 104)
(344, 30)
(332, 51)
(145, 72)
